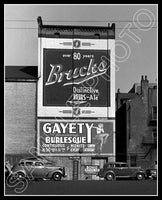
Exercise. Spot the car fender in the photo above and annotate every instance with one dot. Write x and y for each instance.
(110, 171)
(140, 171)
(22, 171)
(50, 173)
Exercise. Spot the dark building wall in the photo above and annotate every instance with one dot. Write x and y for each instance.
(122, 98)
(140, 133)
(136, 123)
(136, 129)
(152, 102)
(121, 145)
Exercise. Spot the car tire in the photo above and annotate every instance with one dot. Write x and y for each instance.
(15, 176)
(140, 176)
(110, 176)
(20, 174)
(56, 176)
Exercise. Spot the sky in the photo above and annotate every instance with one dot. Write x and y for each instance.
(136, 48)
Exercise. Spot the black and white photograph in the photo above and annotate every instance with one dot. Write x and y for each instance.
(80, 100)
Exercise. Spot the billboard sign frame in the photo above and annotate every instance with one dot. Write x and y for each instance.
(78, 110)
(75, 137)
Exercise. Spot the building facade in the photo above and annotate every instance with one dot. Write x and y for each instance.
(136, 124)
(64, 109)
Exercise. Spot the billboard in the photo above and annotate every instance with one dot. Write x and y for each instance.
(71, 75)
(75, 137)
(76, 77)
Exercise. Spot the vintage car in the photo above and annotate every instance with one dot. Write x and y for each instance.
(7, 169)
(35, 169)
(151, 173)
(113, 170)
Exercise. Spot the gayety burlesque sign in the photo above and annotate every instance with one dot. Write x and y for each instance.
(86, 137)
(75, 78)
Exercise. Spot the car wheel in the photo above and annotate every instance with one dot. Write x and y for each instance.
(12, 177)
(110, 176)
(56, 176)
(16, 176)
(140, 176)
(20, 175)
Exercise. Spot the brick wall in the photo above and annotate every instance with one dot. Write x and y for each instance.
(137, 125)
(20, 109)
(138, 129)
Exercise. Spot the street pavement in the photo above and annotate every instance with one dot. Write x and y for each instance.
(87, 187)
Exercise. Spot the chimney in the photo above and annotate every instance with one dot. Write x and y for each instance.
(144, 91)
(141, 78)
(144, 85)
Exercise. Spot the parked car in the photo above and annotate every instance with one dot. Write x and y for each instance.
(151, 173)
(113, 170)
(7, 169)
(35, 169)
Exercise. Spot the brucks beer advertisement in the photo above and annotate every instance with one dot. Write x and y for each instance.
(72, 137)
(78, 77)
(75, 78)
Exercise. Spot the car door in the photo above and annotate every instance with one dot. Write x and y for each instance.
(117, 169)
(125, 171)
(29, 167)
(40, 170)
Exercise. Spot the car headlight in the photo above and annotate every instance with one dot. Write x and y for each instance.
(153, 171)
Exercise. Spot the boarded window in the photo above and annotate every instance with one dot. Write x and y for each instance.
(154, 112)
(154, 134)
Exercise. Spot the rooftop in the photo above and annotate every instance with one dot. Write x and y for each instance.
(71, 31)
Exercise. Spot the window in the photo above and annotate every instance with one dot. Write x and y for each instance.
(28, 163)
(117, 165)
(124, 165)
(21, 163)
(154, 134)
(123, 100)
(38, 164)
(133, 161)
(111, 165)
(25, 163)
(154, 112)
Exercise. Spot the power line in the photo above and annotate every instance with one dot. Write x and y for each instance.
(19, 28)
(26, 20)
(115, 28)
